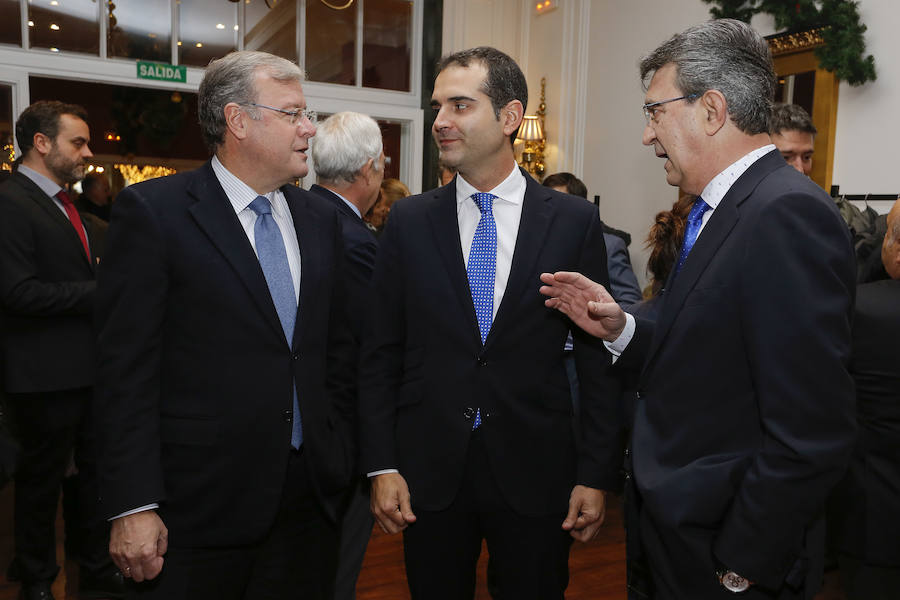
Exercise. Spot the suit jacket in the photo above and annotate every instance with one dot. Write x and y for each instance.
(194, 391)
(46, 292)
(865, 513)
(623, 284)
(360, 246)
(424, 371)
(744, 418)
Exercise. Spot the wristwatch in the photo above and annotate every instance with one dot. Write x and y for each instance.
(733, 582)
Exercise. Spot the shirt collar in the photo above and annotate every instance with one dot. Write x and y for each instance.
(511, 189)
(47, 185)
(239, 193)
(716, 189)
(352, 206)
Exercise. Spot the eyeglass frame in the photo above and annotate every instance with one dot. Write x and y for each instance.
(646, 107)
(295, 115)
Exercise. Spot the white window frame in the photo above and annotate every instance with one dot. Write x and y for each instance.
(17, 64)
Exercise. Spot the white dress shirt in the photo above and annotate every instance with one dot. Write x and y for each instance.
(507, 210)
(49, 187)
(712, 194)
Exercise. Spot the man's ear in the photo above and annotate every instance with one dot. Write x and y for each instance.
(42, 143)
(714, 110)
(511, 115)
(236, 120)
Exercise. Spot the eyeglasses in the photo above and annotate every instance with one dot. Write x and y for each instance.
(650, 109)
(295, 115)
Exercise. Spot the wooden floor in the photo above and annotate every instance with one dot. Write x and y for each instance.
(597, 568)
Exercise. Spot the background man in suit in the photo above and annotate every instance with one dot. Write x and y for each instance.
(793, 133)
(47, 268)
(865, 509)
(94, 198)
(744, 416)
(464, 403)
(349, 157)
(623, 284)
(208, 366)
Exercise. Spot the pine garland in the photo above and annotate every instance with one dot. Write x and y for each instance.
(844, 48)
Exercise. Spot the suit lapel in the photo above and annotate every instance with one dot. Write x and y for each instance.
(445, 229)
(537, 214)
(214, 214)
(309, 227)
(716, 231)
(47, 204)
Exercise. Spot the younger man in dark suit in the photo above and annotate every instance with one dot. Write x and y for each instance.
(744, 414)
(47, 269)
(464, 402)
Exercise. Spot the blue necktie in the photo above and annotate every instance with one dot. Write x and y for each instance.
(692, 230)
(274, 263)
(482, 268)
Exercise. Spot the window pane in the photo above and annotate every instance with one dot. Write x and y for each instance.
(6, 129)
(140, 29)
(208, 31)
(69, 25)
(11, 23)
(271, 29)
(387, 27)
(330, 42)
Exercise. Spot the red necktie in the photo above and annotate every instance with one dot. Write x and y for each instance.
(75, 219)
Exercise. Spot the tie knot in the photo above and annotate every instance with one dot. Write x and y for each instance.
(700, 206)
(261, 206)
(483, 200)
(63, 197)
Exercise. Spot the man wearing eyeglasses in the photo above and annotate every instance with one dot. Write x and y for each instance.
(744, 415)
(225, 388)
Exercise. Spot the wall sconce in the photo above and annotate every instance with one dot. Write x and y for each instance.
(532, 133)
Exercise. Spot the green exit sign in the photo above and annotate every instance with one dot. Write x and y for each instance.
(161, 71)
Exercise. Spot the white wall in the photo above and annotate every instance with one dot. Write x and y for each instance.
(868, 119)
(589, 50)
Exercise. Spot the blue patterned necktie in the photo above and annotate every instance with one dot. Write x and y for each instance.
(482, 268)
(692, 230)
(274, 263)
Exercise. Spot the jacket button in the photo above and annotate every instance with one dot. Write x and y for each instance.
(469, 413)
(295, 356)
(288, 415)
(482, 362)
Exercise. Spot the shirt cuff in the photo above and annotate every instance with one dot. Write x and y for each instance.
(134, 511)
(618, 345)
(381, 472)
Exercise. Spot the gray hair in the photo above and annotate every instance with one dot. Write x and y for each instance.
(790, 117)
(232, 78)
(344, 143)
(724, 55)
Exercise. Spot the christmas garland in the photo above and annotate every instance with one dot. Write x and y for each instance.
(844, 48)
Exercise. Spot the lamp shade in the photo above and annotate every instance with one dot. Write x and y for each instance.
(531, 131)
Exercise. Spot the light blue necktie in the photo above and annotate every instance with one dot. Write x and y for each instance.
(482, 268)
(274, 263)
(692, 230)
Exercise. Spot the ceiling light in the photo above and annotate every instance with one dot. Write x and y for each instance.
(54, 49)
(54, 26)
(236, 28)
(220, 26)
(199, 44)
(54, 3)
(31, 23)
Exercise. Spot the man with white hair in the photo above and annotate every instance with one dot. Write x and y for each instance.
(349, 157)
